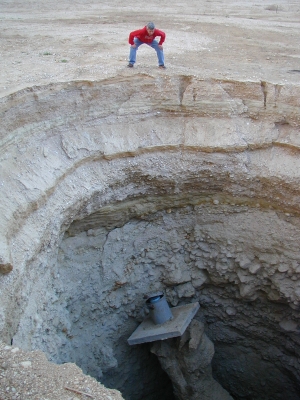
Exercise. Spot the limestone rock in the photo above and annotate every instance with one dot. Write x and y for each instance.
(188, 363)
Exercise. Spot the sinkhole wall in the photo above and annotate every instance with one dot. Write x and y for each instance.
(116, 188)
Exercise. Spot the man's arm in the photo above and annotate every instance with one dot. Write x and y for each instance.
(162, 35)
(132, 36)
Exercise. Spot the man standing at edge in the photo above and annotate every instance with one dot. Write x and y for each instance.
(147, 35)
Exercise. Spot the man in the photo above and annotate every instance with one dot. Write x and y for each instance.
(147, 35)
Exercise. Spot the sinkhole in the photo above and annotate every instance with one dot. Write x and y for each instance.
(118, 188)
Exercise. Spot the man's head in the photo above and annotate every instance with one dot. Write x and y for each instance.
(150, 28)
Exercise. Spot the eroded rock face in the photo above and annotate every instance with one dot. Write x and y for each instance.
(191, 188)
(209, 252)
(187, 361)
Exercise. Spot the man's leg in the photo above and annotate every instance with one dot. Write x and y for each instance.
(133, 50)
(159, 52)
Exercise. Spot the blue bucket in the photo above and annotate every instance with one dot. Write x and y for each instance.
(154, 299)
(159, 310)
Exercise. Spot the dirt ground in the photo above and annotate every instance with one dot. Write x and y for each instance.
(28, 376)
(43, 42)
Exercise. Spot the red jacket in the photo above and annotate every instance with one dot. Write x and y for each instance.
(144, 37)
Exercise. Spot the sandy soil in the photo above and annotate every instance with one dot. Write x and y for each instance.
(28, 376)
(45, 41)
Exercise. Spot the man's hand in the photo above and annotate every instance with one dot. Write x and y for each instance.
(160, 46)
(133, 46)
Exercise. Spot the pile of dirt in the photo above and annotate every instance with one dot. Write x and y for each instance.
(29, 375)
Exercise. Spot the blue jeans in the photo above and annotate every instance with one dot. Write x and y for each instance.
(153, 44)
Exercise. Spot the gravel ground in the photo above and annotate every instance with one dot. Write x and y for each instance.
(44, 41)
(29, 376)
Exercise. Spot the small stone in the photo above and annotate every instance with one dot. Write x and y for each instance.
(4, 365)
(288, 325)
(6, 268)
(283, 268)
(230, 311)
(254, 268)
(243, 261)
(185, 290)
(200, 278)
(15, 349)
(25, 364)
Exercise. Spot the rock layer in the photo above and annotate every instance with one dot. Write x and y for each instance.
(188, 363)
(149, 183)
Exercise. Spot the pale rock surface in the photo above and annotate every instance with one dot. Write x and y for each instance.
(188, 363)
